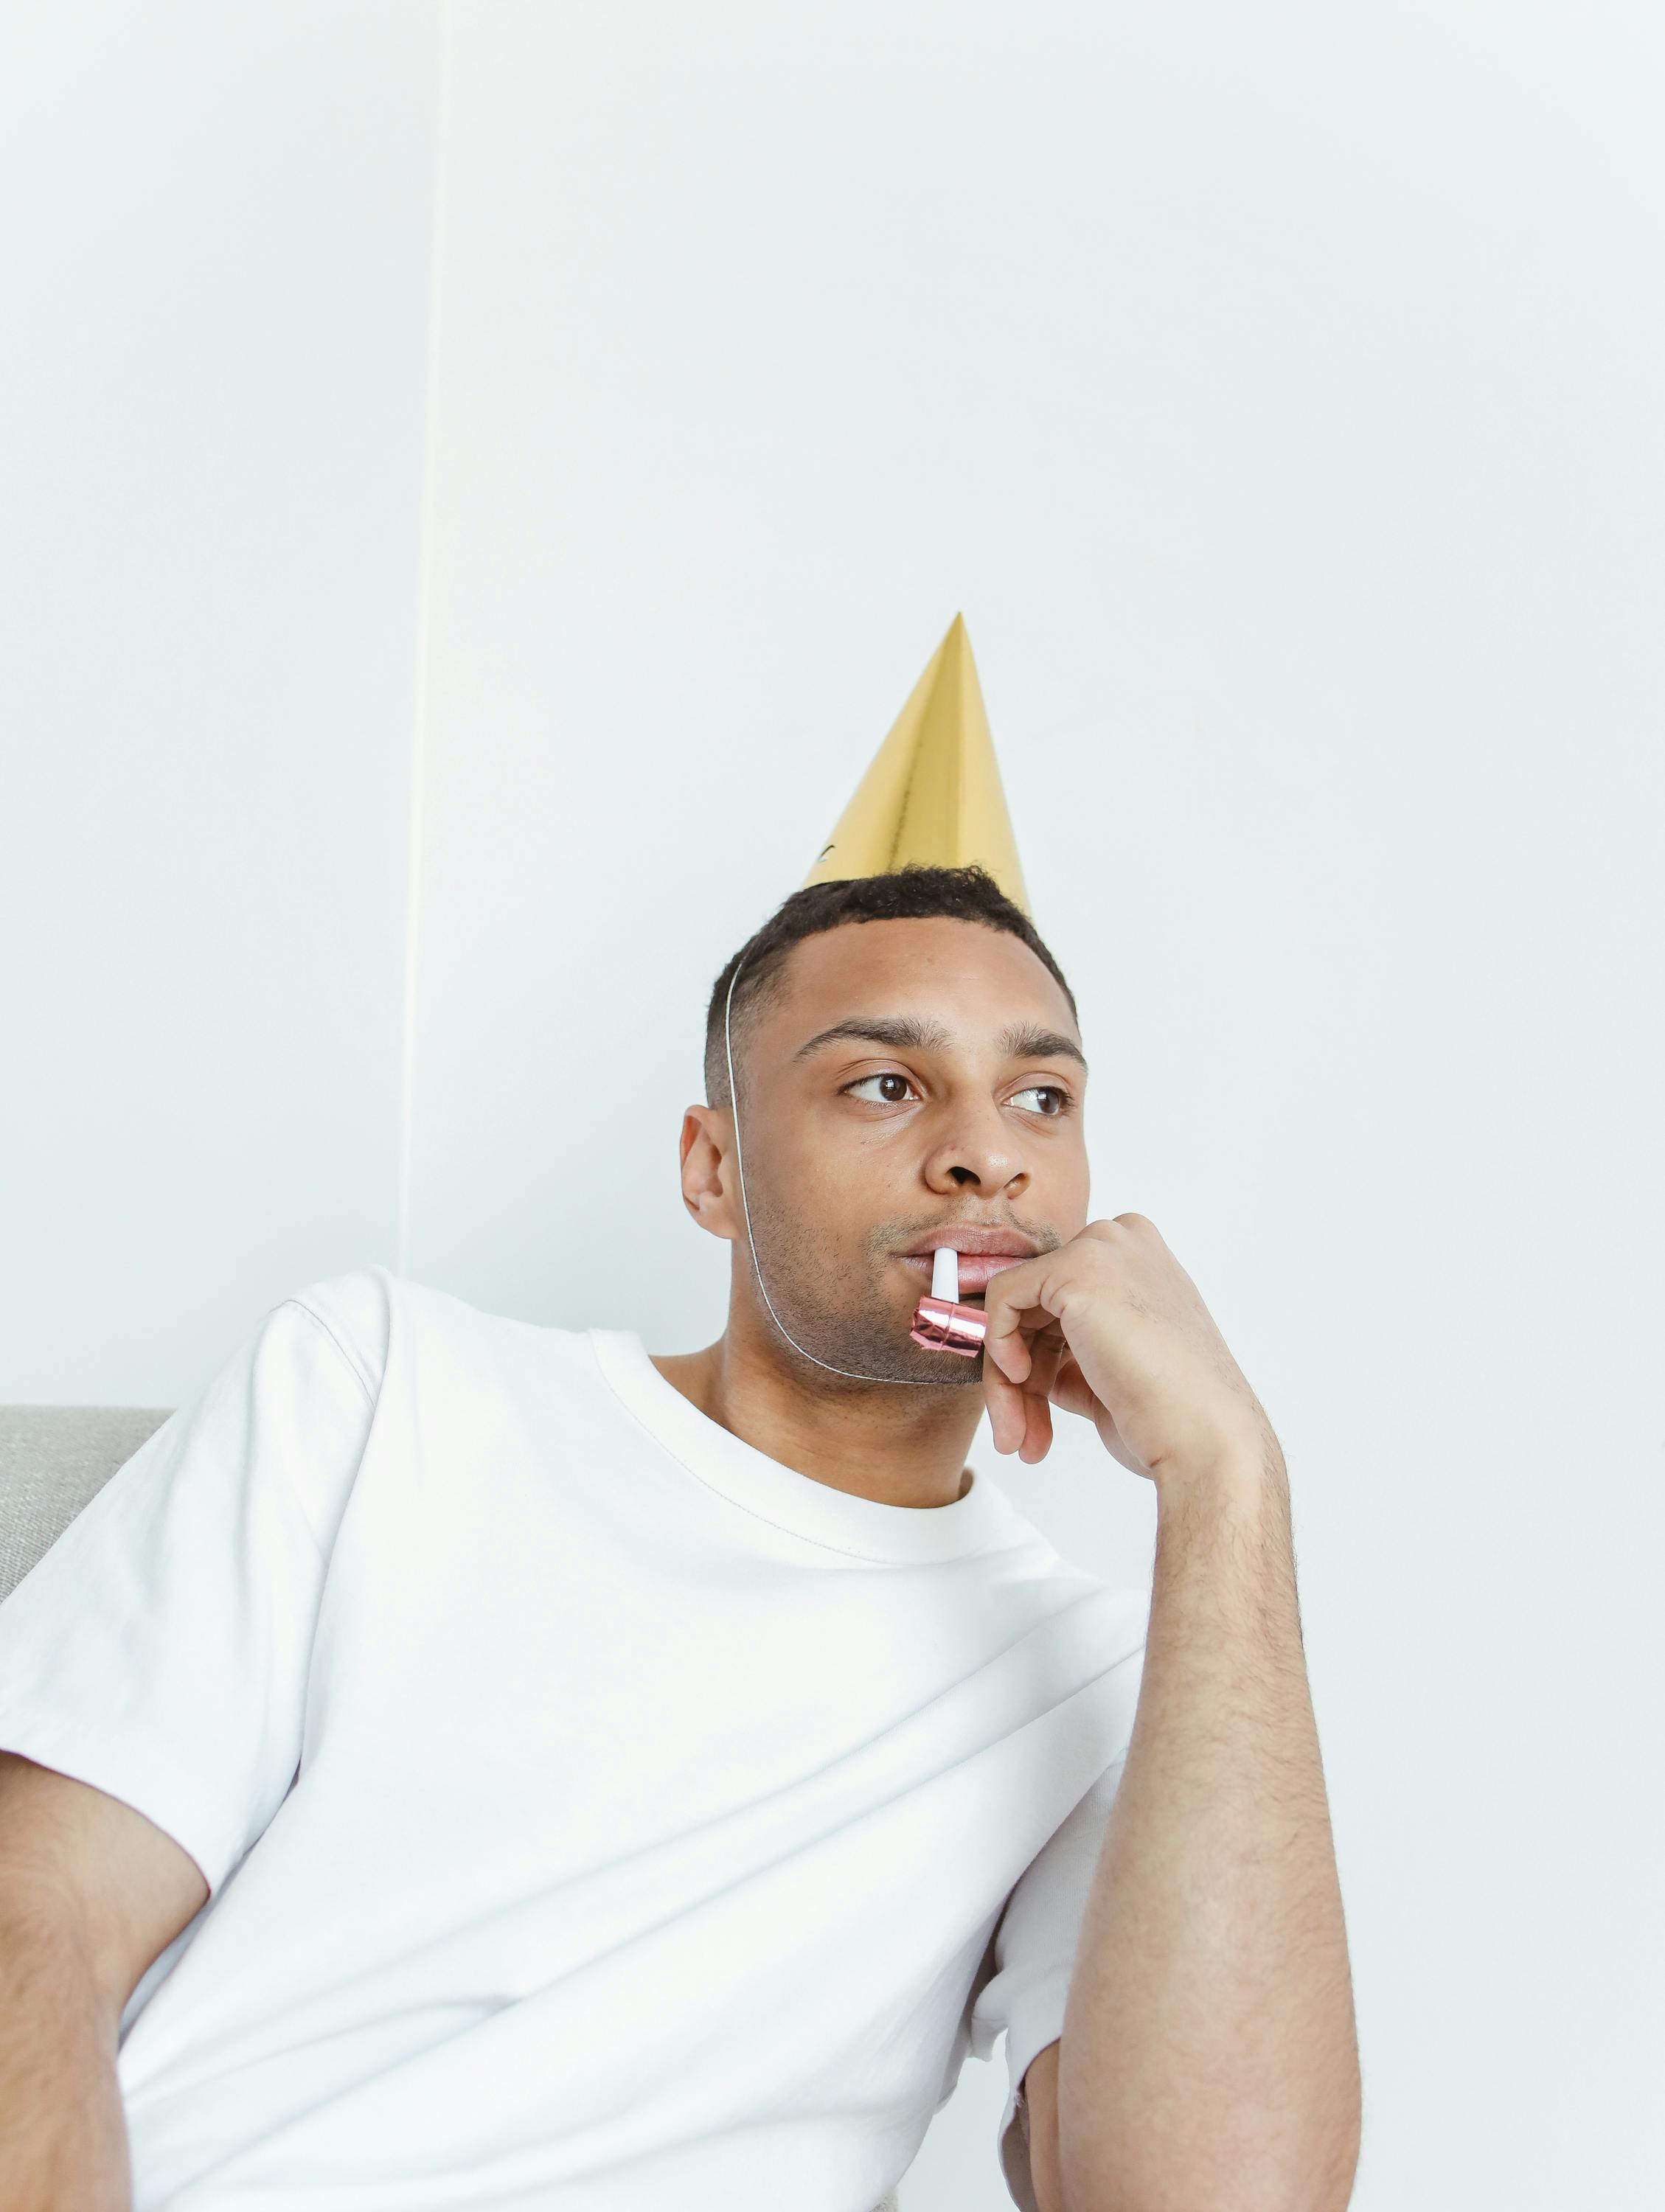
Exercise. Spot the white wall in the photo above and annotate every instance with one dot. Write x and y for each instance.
(214, 246)
(1276, 389)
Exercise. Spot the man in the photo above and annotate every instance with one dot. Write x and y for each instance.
(459, 1763)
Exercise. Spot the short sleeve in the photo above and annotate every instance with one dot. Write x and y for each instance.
(159, 1649)
(1036, 1938)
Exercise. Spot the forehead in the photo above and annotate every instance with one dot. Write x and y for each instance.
(975, 980)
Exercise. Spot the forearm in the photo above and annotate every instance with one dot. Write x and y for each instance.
(63, 2138)
(1208, 2057)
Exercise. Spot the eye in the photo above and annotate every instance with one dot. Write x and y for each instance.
(887, 1090)
(1050, 1099)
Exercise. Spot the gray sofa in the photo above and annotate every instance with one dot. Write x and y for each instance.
(56, 1459)
(53, 1461)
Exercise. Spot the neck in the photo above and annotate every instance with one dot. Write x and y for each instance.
(898, 1446)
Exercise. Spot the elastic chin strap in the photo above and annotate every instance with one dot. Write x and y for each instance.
(850, 1374)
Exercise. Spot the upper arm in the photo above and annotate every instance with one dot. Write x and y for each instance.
(83, 1858)
(1040, 2109)
(162, 1649)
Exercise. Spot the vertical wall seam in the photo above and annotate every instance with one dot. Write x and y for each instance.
(424, 624)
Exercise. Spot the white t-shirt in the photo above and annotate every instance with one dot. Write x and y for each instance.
(596, 1813)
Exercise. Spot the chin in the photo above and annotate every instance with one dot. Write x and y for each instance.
(892, 1356)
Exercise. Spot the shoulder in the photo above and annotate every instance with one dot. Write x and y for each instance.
(353, 1310)
(374, 1316)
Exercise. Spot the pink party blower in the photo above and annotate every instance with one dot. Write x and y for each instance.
(941, 1324)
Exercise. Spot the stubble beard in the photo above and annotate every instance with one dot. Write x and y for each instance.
(838, 1311)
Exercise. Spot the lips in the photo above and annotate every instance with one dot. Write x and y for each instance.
(969, 1236)
(984, 1252)
(978, 1269)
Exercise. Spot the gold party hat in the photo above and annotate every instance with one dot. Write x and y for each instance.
(932, 797)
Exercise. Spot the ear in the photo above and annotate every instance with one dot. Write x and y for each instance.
(710, 1183)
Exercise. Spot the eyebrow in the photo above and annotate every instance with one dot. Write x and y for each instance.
(906, 1033)
(900, 1032)
(1024, 1042)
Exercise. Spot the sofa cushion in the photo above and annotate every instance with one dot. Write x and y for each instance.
(53, 1461)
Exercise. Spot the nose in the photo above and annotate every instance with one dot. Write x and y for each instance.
(979, 1153)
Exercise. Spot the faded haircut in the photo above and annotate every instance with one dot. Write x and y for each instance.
(907, 895)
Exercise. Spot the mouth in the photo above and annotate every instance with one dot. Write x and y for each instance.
(984, 1254)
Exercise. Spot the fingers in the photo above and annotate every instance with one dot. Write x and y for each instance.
(1020, 1414)
(1019, 1420)
(1022, 1354)
(1017, 1303)
(1037, 1432)
(1008, 1422)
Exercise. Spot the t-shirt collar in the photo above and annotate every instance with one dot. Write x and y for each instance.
(837, 1519)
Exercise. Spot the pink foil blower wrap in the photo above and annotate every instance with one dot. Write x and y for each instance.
(942, 1327)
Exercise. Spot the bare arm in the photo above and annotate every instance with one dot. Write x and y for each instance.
(90, 1892)
(1208, 2055)
(1040, 2118)
(1208, 2060)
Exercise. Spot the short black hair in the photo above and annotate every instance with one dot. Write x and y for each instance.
(912, 894)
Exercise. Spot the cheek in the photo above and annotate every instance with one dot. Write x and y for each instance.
(805, 1158)
(858, 1169)
(1064, 1185)
(842, 1180)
